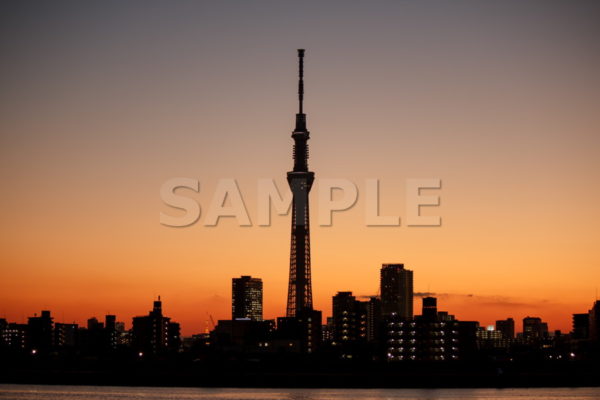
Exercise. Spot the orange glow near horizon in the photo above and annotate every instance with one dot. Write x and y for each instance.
(191, 268)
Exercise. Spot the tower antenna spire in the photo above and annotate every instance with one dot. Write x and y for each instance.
(300, 180)
(300, 79)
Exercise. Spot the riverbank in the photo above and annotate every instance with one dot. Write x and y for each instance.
(344, 377)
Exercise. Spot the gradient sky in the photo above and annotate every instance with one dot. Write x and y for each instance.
(102, 102)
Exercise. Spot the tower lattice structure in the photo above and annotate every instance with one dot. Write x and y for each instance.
(300, 180)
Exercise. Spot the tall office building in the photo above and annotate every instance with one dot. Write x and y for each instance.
(429, 310)
(581, 326)
(247, 298)
(534, 328)
(396, 291)
(506, 327)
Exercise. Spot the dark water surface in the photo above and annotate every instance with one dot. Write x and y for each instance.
(40, 392)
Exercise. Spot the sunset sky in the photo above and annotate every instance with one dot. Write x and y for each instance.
(102, 102)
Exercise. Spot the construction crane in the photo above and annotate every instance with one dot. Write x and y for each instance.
(212, 321)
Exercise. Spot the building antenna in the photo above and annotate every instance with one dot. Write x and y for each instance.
(300, 79)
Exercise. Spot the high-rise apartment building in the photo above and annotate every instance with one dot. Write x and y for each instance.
(396, 291)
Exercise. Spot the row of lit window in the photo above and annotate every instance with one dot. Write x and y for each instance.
(413, 333)
(392, 357)
(413, 324)
(413, 349)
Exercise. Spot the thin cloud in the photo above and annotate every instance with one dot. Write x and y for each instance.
(481, 300)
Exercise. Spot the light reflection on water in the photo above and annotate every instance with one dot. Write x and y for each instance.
(40, 392)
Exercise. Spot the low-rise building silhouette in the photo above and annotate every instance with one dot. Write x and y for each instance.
(40, 332)
(428, 337)
(154, 333)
